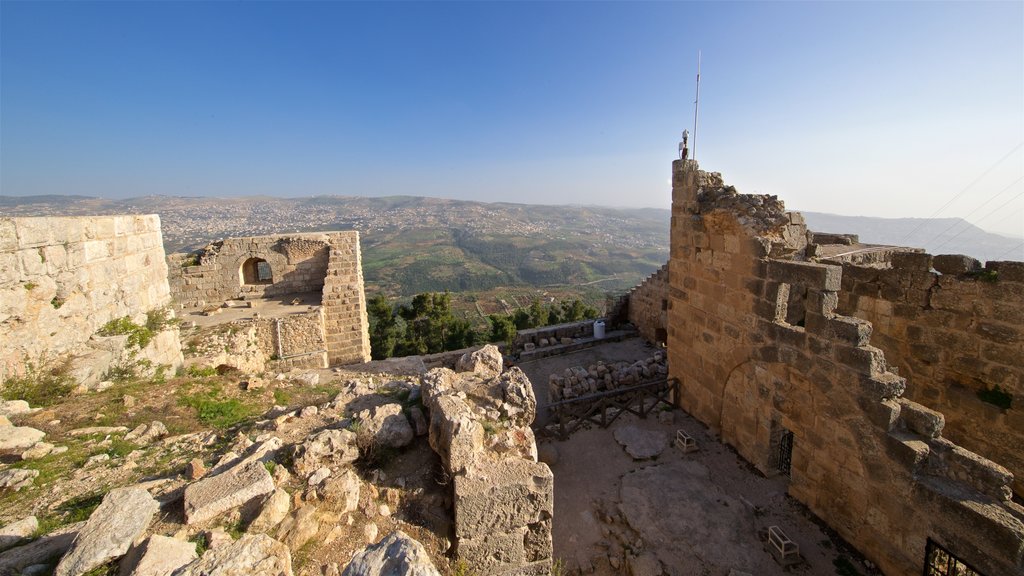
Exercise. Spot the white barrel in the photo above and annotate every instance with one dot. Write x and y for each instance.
(599, 329)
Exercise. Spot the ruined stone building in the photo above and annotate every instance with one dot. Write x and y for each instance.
(828, 368)
(328, 264)
(63, 279)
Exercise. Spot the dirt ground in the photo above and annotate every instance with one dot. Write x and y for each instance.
(699, 513)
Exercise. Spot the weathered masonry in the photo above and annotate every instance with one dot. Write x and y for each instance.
(648, 306)
(276, 267)
(765, 357)
(62, 279)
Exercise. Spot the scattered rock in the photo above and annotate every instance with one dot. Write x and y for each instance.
(128, 401)
(327, 447)
(195, 469)
(299, 527)
(17, 478)
(18, 438)
(308, 412)
(214, 495)
(275, 509)
(370, 531)
(158, 556)
(318, 476)
(96, 460)
(419, 420)
(38, 450)
(14, 407)
(250, 555)
(388, 425)
(123, 516)
(308, 379)
(42, 551)
(252, 384)
(97, 430)
(486, 362)
(641, 444)
(17, 532)
(5, 421)
(396, 555)
(343, 489)
(144, 434)
(217, 538)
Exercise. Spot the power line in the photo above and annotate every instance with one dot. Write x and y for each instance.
(969, 214)
(998, 208)
(1015, 248)
(961, 193)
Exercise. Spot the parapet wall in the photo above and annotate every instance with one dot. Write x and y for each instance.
(955, 330)
(763, 357)
(648, 306)
(64, 278)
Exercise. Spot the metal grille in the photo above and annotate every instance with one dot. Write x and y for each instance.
(939, 562)
(785, 457)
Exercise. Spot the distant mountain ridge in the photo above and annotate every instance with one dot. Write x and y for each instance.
(935, 235)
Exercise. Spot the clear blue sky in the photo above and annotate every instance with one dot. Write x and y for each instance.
(854, 108)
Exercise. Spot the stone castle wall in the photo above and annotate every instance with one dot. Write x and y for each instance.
(298, 263)
(955, 330)
(64, 278)
(327, 262)
(648, 306)
(763, 356)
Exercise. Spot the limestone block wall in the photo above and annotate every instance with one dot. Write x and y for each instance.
(62, 279)
(298, 263)
(648, 306)
(955, 330)
(346, 325)
(764, 358)
(552, 335)
(295, 340)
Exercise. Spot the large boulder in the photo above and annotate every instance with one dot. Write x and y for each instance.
(158, 556)
(325, 448)
(520, 404)
(387, 425)
(45, 550)
(250, 555)
(397, 554)
(215, 495)
(123, 516)
(342, 490)
(17, 532)
(18, 438)
(275, 508)
(485, 362)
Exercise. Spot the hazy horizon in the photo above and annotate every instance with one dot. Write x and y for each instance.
(889, 110)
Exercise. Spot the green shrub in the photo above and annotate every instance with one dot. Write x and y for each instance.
(215, 410)
(44, 384)
(197, 372)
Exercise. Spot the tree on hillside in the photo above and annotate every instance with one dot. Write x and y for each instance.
(503, 329)
(430, 326)
(384, 328)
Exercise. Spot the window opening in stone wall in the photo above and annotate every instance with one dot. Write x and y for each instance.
(257, 271)
(782, 450)
(939, 562)
(791, 305)
(664, 304)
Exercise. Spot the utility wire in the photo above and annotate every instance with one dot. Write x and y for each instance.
(1000, 207)
(969, 214)
(961, 193)
(1014, 249)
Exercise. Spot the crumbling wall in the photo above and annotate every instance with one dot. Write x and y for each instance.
(62, 279)
(346, 326)
(297, 262)
(295, 340)
(503, 498)
(648, 306)
(955, 330)
(763, 357)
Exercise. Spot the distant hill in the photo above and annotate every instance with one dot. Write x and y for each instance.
(935, 235)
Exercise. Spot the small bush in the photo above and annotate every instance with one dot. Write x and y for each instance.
(198, 372)
(280, 397)
(42, 385)
(215, 410)
(56, 302)
(138, 336)
(30, 285)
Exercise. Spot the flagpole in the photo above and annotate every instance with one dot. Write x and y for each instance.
(696, 107)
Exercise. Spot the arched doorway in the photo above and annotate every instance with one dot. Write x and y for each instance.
(256, 271)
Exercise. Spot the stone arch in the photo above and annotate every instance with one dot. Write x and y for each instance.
(255, 270)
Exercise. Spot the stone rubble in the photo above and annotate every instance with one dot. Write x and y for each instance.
(578, 381)
(397, 554)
